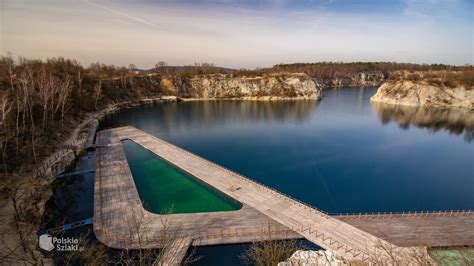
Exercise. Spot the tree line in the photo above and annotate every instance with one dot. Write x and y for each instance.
(328, 70)
(41, 101)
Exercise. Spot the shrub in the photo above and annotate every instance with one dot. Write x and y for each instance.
(450, 83)
(414, 77)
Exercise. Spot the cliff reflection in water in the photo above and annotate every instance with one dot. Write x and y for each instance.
(454, 120)
(208, 114)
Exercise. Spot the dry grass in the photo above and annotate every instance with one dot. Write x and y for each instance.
(446, 78)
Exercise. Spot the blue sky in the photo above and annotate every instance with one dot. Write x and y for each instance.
(239, 33)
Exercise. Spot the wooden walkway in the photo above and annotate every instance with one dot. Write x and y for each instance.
(118, 212)
(120, 220)
(175, 253)
(439, 229)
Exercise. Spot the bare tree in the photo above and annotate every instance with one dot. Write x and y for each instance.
(46, 84)
(27, 91)
(22, 194)
(387, 253)
(64, 91)
(5, 107)
(5, 136)
(160, 64)
(268, 252)
(97, 92)
(11, 77)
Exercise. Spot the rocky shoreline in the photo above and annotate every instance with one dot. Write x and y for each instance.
(59, 160)
(413, 93)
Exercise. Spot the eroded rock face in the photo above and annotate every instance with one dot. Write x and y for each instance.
(272, 86)
(362, 79)
(215, 86)
(421, 94)
(311, 257)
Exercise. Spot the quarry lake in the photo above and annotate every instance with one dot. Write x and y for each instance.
(341, 154)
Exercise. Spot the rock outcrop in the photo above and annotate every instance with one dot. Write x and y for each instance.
(362, 79)
(214, 86)
(218, 86)
(426, 95)
(311, 257)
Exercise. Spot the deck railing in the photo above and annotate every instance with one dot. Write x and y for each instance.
(251, 181)
(383, 215)
(408, 214)
(328, 241)
(258, 233)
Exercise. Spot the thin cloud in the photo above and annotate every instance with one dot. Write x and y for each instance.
(184, 33)
(142, 21)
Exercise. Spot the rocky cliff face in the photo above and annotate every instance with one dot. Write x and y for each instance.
(215, 86)
(363, 79)
(422, 94)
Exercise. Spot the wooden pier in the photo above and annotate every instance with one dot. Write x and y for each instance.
(120, 220)
(175, 253)
(421, 229)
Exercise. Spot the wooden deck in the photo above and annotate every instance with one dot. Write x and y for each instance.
(120, 220)
(175, 253)
(441, 229)
(118, 212)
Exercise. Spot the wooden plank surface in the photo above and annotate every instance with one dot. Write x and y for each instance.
(118, 212)
(174, 255)
(419, 230)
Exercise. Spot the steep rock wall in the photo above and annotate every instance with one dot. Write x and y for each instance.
(227, 86)
(362, 79)
(422, 94)
(217, 86)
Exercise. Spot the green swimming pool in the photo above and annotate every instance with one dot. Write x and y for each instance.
(164, 188)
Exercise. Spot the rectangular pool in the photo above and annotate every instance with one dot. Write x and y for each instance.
(165, 189)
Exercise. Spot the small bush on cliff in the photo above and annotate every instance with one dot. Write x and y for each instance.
(450, 83)
(467, 78)
(414, 77)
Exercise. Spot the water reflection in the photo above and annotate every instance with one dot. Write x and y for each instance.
(454, 120)
(205, 114)
(73, 199)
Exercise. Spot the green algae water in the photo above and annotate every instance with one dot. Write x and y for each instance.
(163, 188)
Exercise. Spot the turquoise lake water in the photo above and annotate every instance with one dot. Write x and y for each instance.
(342, 154)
